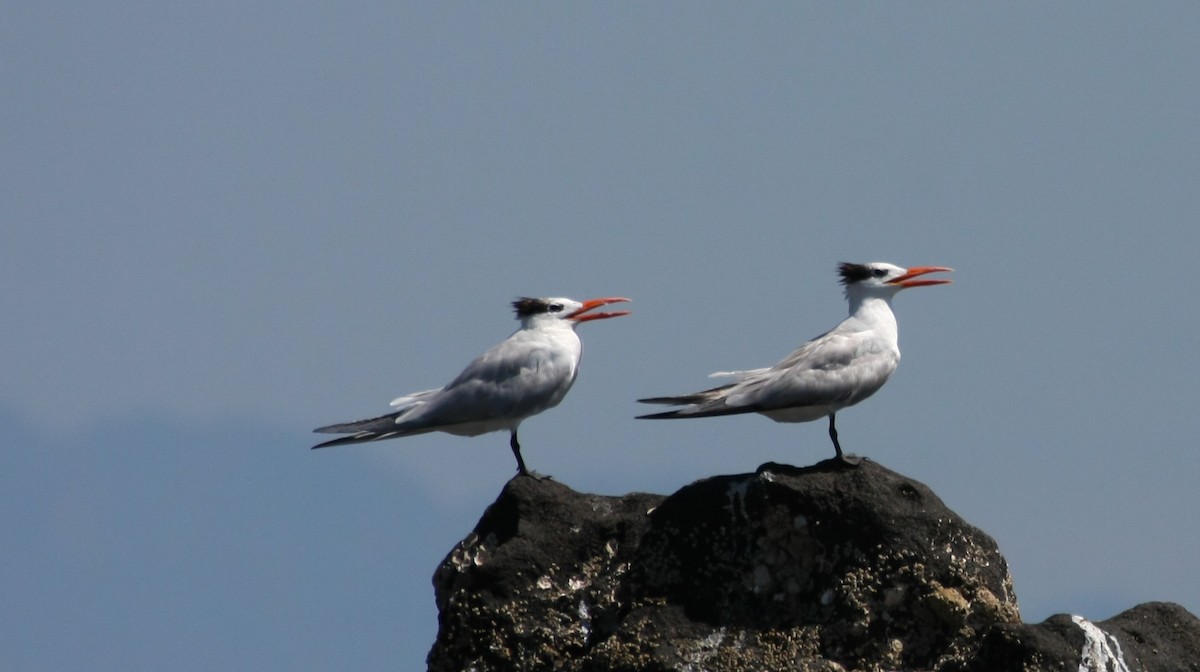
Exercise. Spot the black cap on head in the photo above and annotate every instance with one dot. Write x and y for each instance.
(853, 272)
(526, 306)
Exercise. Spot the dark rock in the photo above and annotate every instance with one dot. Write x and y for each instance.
(1152, 637)
(534, 584)
(1157, 637)
(831, 567)
(857, 565)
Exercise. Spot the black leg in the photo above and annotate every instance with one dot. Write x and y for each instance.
(516, 448)
(833, 435)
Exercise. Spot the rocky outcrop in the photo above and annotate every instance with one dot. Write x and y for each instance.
(830, 567)
(1151, 637)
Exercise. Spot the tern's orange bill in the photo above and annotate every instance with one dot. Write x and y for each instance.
(907, 281)
(590, 304)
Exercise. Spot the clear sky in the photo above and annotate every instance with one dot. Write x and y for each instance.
(224, 224)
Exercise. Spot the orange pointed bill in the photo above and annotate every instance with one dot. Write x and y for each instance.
(591, 304)
(907, 281)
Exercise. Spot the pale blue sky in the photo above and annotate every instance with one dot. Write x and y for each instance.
(224, 224)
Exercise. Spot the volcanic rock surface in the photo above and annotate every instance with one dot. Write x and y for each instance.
(829, 567)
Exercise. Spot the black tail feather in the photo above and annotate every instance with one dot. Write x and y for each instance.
(357, 438)
(687, 399)
(660, 416)
(361, 431)
(671, 401)
(700, 412)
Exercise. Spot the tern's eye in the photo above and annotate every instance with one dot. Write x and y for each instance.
(555, 308)
(879, 272)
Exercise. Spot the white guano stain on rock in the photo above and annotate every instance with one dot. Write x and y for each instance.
(737, 497)
(585, 619)
(1101, 651)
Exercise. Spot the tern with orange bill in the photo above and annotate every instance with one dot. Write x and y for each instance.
(529, 372)
(835, 370)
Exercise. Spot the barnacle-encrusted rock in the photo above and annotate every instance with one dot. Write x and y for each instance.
(826, 568)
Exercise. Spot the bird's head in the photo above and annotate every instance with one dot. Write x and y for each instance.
(886, 279)
(569, 311)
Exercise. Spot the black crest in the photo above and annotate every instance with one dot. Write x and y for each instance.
(526, 306)
(852, 273)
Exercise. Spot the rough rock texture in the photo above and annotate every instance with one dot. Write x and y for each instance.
(1151, 637)
(829, 567)
(533, 586)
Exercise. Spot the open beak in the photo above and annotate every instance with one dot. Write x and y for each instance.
(907, 281)
(590, 304)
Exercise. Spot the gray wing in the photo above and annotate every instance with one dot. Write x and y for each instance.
(838, 368)
(513, 380)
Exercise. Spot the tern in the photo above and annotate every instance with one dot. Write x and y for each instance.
(527, 373)
(835, 370)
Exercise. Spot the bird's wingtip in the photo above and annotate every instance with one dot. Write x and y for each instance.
(658, 416)
(659, 400)
(333, 442)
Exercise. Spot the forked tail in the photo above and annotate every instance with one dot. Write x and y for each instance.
(371, 429)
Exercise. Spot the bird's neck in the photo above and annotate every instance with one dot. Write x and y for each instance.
(558, 332)
(873, 312)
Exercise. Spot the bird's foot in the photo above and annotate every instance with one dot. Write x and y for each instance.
(850, 460)
(536, 476)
